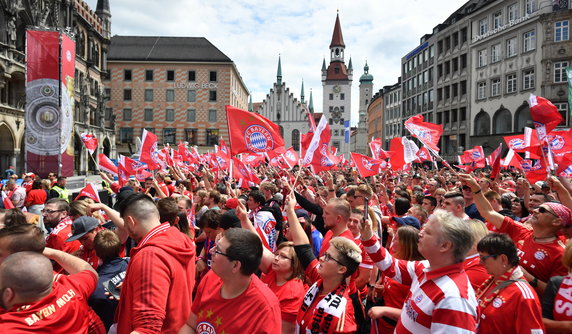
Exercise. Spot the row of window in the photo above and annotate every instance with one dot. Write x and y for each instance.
(418, 80)
(528, 82)
(419, 59)
(148, 95)
(170, 135)
(454, 65)
(331, 97)
(452, 41)
(148, 115)
(451, 116)
(452, 91)
(528, 44)
(512, 14)
(170, 75)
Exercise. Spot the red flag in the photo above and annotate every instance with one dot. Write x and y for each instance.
(474, 155)
(105, 164)
(424, 155)
(512, 159)
(291, 157)
(7, 201)
(365, 165)
(318, 154)
(533, 171)
(148, 153)
(402, 151)
(427, 133)
(252, 159)
(544, 114)
(376, 151)
(565, 166)
(275, 159)
(250, 132)
(240, 171)
(122, 174)
(142, 174)
(223, 149)
(131, 166)
(305, 140)
(495, 158)
(560, 142)
(518, 143)
(89, 191)
(90, 141)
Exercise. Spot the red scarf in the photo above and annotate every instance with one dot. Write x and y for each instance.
(490, 288)
(562, 301)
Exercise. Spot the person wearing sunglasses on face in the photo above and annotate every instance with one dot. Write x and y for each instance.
(541, 249)
(507, 303)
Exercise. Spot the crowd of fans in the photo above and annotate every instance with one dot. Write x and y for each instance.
(428, 251)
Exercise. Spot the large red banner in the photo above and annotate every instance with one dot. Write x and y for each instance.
(50, 63)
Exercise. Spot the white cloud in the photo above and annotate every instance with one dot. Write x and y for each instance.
(253, 32)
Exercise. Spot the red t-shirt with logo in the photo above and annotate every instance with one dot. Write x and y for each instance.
(476, 271)
(542, 260)
(256, 310)
(64, 310)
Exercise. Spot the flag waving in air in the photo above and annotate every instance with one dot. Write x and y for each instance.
(544, 114)
(89, 191)
(427, 133)
(105, 164)
(365, 165)
(251, 133)
(148, 153)
(89, 141)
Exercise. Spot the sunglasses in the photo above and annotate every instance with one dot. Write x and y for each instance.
(542, 209)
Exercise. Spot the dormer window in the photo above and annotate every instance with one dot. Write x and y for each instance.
(337, 52)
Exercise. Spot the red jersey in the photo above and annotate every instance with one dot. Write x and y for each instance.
(156, 293)
(516, 309)
(256, 310)
(89, 256)
(64, 310)
(394, 294)
(475, 270)
(329, 235)
(289, 295)
(36, 197)
(434, 296)
(563, 300)
(542, 260)
(57, 239)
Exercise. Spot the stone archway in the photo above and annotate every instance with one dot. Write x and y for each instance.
(107, 147)
(7, 145)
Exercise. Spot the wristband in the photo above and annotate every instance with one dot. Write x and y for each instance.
(534, 282)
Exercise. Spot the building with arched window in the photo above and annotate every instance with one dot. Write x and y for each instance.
(281, 107)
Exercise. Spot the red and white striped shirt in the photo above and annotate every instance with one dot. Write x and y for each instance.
(439, 301)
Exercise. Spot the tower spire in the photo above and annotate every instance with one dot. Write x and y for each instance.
(337, 37)
(311, 103)
(279, 72)
(302, 93)
(250, 107)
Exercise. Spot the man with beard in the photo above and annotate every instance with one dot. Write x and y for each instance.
(56, 216)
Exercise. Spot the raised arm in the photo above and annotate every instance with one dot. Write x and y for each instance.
(70, 263)
(483, 205)
(267, 256)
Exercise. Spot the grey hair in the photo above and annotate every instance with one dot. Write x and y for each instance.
(455, 230)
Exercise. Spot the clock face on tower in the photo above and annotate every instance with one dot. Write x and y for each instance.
(337, 89)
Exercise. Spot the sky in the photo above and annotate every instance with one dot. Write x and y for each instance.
(253, 33)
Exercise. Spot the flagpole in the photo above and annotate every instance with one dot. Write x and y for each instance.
(95, 162)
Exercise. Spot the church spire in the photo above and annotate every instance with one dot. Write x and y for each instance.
(337, 37)
(311, 103)
(250, 107)
(302, 93)
(350, 67)
(279, 72)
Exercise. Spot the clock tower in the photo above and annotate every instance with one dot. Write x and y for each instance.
(337, 84)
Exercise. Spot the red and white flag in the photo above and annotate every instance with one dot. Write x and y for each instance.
(90, 141)
(131, 166)
(318, 153)
(252, 159)
(241, 171)
(89, 191)
(291, 157)
(377, 151)
(474, 156)
(148, 153)
(402, 152)
(424, 155)
(7, 201)
(251, 133)
(512, 159)
(565, 166)
(427, 133)
(105, 164)
(494, 160)
(533, 171)
(544, 114)
(365, 165)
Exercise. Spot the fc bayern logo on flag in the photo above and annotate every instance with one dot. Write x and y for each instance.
(517, 144)
(258, 139)
(367, 164)
(476, 155)
(556, 142)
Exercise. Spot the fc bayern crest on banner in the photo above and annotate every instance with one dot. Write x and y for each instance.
(154, 153)
(290, 156)
(326, 162)
(420, 133)
(517, 144)
(556, 142)
(367, 164)
(476, 155)
(258, 139)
